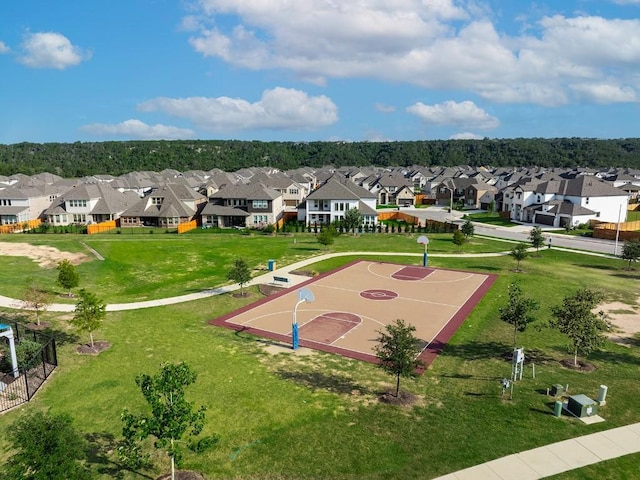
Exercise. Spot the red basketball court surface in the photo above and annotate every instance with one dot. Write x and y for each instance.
(352, 303)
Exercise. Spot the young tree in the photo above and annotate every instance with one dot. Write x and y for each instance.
(68, 277)
(519, 253)
(576, 319)
(89, 313)
(631, 251)
(459, 239)
(352, 220)
(171, 414)
(518, 311)
(398, 350)
(47, 448)
(327, 236)
(36, 298)
(468, 229)
(536, 238)
(240, 273)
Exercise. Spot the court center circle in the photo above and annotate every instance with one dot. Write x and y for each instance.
(377, 294)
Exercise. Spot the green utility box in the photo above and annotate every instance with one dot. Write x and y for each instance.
(557, 390)
(582, 406)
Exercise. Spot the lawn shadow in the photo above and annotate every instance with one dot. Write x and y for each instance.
(64, 338)
(489, 268)
(609, 357)
(595, 267)
(99, 444)
(319, 380)
(476, 350)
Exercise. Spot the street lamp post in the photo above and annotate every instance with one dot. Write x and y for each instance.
(304, 295)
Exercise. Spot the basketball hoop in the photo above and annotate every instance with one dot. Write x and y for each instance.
(422, 240)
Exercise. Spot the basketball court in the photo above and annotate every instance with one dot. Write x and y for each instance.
(352, 303)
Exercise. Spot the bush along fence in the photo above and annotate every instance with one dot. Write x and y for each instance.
(429, 226)
(37, 359)
(20, 227)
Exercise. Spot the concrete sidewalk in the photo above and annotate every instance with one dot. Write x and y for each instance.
(557, 457)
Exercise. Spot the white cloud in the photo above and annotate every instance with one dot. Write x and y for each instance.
(605, 92)
(381, 107)
(435, 44)
(50, 50)
(466, 136)
(4, 48)
(462, 114)
(279, 108)
(138, 130)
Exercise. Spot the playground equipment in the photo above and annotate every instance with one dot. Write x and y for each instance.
(7, 331)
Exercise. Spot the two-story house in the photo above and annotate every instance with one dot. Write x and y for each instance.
(261, 205)
(330, 201)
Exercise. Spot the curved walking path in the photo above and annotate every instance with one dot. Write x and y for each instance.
(527, 465)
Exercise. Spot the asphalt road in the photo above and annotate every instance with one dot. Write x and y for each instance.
(519, 233)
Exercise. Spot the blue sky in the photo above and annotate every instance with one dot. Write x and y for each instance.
(318, 70)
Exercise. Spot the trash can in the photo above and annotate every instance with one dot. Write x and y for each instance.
(272, 265)
(557, 409)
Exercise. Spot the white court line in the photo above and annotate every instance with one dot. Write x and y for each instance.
(423, 280)
(399, 297)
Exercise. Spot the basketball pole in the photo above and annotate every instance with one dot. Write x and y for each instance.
(294, 326)
(425, 256)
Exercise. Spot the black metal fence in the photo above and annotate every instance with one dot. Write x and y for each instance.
(15, 391)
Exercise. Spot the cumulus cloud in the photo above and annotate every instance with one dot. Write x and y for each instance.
(463, 114)
(279, 108)
(3, 48)
(138, 130)
(605, 92)
(50, 50)
(466, 136)
(435, 44)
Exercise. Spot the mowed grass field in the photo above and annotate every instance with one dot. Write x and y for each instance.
(312, 415)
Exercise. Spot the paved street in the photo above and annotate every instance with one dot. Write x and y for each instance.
(517, 233)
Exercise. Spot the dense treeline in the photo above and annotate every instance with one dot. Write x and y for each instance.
(115, 158)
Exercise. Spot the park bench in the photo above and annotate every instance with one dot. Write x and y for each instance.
(278, 279)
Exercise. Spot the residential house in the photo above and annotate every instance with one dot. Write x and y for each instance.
(330, 201)
(88, 203)
(570, 202)
(263, 205)
(166, 206)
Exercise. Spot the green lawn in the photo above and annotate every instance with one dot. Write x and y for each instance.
(145, 267)
(633, 215)
(297, 416)
(490, 218)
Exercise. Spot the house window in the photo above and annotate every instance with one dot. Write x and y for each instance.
(587, 200)
(293, 191)
(156, 200)
(259, 204)
(260, 219)
(77, 203)
(79, 218)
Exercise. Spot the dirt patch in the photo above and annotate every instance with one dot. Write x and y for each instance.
(183, 475)
(242, 295)
(43, 255)
(267, 289)
(305, 273)
(581, 366)
(625, 320)
(87, 349)
(404, 399)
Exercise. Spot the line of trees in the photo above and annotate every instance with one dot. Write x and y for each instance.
(88, 158)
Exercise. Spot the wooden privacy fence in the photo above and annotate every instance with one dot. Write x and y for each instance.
(101, 227)
(20, 227)
(395, 215)
(186, 226)
(609, 231)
